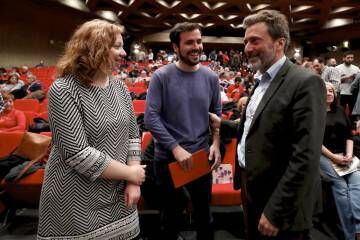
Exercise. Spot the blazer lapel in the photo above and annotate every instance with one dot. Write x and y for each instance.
(274, 85)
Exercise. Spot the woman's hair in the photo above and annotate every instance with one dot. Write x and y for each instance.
(334, 104)
(87, 51)
(7, 96)
(14, 74)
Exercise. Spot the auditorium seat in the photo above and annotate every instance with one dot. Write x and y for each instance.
(44, 105)
(137, 90)
(30, 115)
(44, 115)
(139, 106)
(26, 191)
(224, 194)
(8, 142)
(27, 105)
(145, 140)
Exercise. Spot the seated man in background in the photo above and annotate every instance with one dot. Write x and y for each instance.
(33, 88)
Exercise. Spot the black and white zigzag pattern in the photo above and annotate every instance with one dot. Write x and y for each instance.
(90, 126)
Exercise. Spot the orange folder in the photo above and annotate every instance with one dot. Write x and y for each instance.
(201, 167)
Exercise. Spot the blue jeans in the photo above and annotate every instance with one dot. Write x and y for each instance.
(346, 190)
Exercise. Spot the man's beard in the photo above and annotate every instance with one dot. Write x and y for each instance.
(188, 60)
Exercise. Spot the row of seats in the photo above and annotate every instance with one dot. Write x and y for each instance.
(32, 105)
(26, 193)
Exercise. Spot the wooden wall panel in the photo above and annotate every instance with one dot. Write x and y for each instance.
(31, 31)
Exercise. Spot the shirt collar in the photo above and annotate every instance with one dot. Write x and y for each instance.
(273, 70)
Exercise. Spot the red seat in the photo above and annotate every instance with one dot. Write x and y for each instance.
(44, 115)
(30, 117)
(224, 194)
(145, 140)
(139, 106)
(27, 105)
(26, 191)
(137, 90)
(8, 142)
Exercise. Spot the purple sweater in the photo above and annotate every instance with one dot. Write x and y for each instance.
(177, 107)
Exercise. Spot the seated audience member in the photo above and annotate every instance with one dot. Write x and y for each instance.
(337, 150)
(40, 64)
(241, 104)
(236, 90)
(13, 83)
(11, 119)
(33, 88)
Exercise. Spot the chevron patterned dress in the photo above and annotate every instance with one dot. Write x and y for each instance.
(90, 126)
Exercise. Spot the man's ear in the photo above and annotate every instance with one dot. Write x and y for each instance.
(176, 48)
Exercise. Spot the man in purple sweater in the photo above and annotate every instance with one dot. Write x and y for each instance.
(179, 98)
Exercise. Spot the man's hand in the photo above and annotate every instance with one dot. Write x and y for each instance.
(215, 156)
(266, 228)
(132, 195)
(183, 157)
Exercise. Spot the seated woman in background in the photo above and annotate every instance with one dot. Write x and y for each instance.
(14, 86)
(11, 119)
(338, 149)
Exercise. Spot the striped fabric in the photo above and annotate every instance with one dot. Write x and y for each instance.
(90, 126)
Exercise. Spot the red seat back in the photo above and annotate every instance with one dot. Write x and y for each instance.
(27, 105)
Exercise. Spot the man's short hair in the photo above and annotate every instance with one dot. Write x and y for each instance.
(276, 22)
(182, 27)
(347, 53)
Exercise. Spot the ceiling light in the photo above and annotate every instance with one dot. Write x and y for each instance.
(303, 20)
(236, 25)
(301, 8)
(120, 2)
(192, 16)
(146, 14)
(77, 4)
(206, 25)
(149, 16)
(337, 22)
(228, 17)
(217, 5)
(248, 6)
(341, 9)
(167, 5)
(108, 15)
(260, 6)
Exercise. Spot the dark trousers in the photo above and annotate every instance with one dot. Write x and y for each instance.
(252, 217)
(175, 201)
(347, 100)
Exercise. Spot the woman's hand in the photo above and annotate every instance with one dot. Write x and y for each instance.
(132, 195)
(341, 159)
(136, 174)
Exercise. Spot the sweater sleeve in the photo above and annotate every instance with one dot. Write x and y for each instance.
(152, 119)
(69, 135)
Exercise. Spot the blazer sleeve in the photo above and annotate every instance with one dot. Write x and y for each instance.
(308, 114)
(229, 129)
